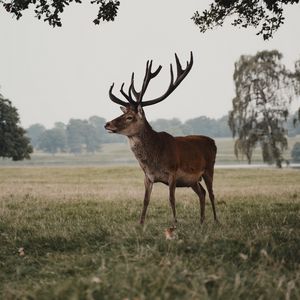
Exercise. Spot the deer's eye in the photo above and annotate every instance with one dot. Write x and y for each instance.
(129, 118)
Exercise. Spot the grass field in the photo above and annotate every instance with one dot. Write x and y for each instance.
(73, 233)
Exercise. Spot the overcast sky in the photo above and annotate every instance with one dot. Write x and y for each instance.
(54, 74)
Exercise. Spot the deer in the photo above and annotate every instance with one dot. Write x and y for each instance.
(174, 161)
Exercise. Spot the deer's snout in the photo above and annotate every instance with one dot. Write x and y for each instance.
(110, 127)
(106, 126)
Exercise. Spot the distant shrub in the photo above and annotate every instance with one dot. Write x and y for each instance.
(296, 152)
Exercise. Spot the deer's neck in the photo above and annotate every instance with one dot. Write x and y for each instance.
(145, 144)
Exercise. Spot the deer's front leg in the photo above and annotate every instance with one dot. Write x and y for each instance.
(148, 190)
(172, 187)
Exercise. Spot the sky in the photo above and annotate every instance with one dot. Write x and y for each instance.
(54, 74)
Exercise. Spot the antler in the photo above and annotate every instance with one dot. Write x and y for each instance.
(114, 98)
(148, 76)
(181, 74)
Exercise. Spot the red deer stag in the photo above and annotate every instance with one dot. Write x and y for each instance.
(174, 161)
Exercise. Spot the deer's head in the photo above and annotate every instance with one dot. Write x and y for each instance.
(133, 118)
(130, 123)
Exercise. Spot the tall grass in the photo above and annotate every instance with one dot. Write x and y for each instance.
(73, 233)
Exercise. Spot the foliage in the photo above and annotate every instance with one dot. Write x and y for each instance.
(201, 126)
(13, 142)
(80, 238)
(172, 126)
(104, 137)
(50, 10)
(107, 10)
(77, 136)
(207, 126)
(98, 123)
(82, 136)
(265, 14)
(264, 90)
(296, 152)
(34, 132)
(53, 140)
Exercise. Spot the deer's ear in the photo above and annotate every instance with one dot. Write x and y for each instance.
(140, 111)
(124, 109)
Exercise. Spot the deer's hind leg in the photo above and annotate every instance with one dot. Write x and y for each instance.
(200, 191)
(172, 187)
(208, 179)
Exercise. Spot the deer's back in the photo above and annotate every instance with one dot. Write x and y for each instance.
(195, 152)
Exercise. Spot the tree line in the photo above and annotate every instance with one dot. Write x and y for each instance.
(87, 136)
(77, 136)
(261, 116)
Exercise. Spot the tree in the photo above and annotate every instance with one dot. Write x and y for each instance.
(60, 125)
(101, 134)
(75, 135)
(98, 123)
(173, 126)
(50, 10)
(268, 14)
(223, 128)
(207, 126)
(296, 152)
(34, 132)
(53, 140)
(92, 139)
(82, 136)
(264, 90)
(13, 141)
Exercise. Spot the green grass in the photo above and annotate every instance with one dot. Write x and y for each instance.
(81, 238)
